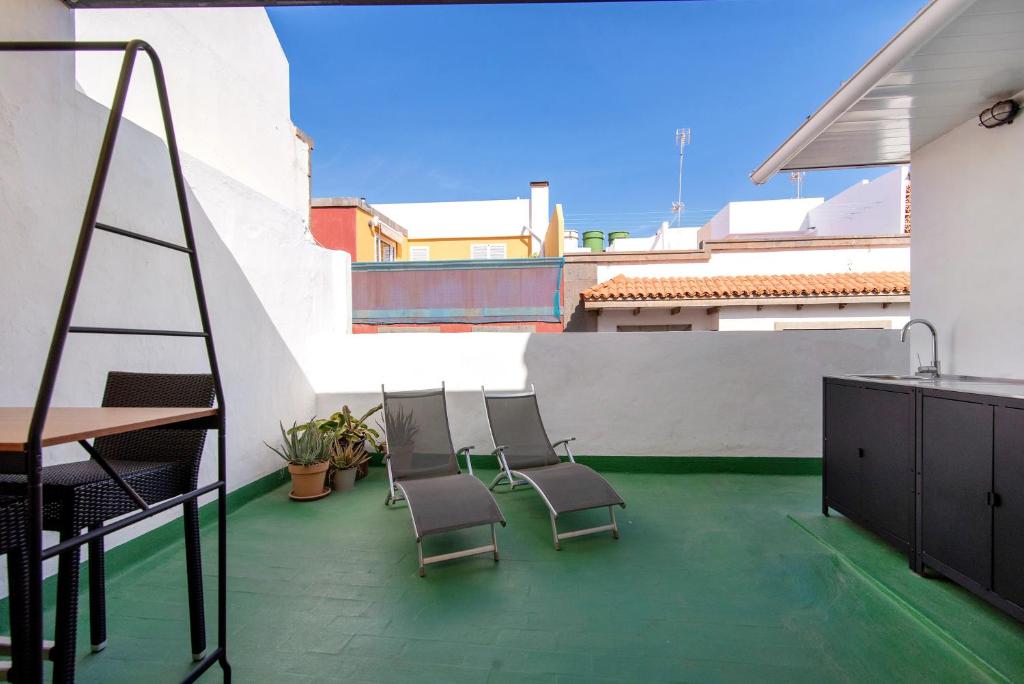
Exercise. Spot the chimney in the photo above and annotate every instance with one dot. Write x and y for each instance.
(539, 213)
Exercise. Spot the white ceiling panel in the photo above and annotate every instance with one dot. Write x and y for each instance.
(945, 79)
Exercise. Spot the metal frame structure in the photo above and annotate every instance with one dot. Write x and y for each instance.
(394, 496)
(32, 670)
(511, 474)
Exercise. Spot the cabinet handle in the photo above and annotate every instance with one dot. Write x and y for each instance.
(993, 499)
(860, 452)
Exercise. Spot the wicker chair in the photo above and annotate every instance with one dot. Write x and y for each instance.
(12, 543)
(158, 464)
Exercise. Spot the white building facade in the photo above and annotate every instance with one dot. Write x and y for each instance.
(862, 230)
(476, 219)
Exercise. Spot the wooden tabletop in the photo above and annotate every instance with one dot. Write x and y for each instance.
(65, 425)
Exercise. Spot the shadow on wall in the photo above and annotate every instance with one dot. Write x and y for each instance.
(126, 283)
(651, 394)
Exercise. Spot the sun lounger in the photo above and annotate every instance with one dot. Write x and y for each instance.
(423, 470)
(527, 456)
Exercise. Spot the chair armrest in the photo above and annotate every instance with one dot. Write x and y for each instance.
(565, 443)
(469, 460)
(499, 453)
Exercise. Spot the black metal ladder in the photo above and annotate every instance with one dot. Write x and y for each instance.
(32, 670)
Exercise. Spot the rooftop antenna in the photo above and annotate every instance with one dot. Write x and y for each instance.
(682, 139)
(798, 179)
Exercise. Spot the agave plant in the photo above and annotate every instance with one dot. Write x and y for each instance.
(348, 455)
(302, 447)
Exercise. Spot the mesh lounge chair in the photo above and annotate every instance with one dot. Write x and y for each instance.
(423, 470)
(527, 456)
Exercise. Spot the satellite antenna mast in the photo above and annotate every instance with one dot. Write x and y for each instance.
(798, 179)
(682, 139)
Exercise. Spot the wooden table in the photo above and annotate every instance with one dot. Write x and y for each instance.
(64, 425)
(69, 425)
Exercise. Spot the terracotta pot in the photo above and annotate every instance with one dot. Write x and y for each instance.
(343, 480)
(308, 481)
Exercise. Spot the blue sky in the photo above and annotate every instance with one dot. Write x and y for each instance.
(435, 103)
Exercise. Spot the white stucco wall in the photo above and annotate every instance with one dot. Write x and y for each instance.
(853, 260)
(664, 238)
(229, 88)
(485, 218)
(476, 218)
(749, 318)
(691, 394)
(765, 216)
(698, 319)
(968, 241)
(228, 80)
(867, 208)
(49, 135)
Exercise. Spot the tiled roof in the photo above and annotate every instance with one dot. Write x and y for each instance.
(621, 288)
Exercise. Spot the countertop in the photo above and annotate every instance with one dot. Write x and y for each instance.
(1000, 387)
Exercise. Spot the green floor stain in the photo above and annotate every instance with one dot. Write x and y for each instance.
(712, 581)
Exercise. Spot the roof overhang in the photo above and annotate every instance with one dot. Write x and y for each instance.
(744, 301)
(954, 59)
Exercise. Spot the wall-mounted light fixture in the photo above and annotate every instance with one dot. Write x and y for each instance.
(1002, 112)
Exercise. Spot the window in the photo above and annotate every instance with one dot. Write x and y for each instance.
(420, 253)
(492, 251)
(387, 251)
(677, 327)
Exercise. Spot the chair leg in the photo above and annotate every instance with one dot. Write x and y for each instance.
(67, 612)
(615, 526)
(419, 552)
(17, 604)
(494, 543)
(97, 595)
(554, 531)
(497, 479)
(194, 572)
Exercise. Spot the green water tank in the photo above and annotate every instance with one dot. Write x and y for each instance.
(594, 239)
(616, 234)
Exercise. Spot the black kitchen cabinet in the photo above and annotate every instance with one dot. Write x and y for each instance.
(846, 409)
(936, 468)
(1008, 505)
(869, 458)
(956, 478)
(887, 469)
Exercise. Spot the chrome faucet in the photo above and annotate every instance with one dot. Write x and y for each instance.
(932, 370)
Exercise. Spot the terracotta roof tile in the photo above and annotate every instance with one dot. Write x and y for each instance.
(621, 288)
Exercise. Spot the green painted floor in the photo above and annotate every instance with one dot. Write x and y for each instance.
(717, 578)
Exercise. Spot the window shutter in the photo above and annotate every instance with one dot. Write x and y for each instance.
(496, 252)
(478, 251)
(421, 253)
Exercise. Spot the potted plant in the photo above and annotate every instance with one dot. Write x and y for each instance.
(307, 454)
(346, 457)
(343, 428)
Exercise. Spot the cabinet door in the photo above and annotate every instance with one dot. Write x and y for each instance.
(887, 467)
(844, 419)
(956, 472)
(1008, 530)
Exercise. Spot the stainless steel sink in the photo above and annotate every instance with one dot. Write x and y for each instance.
(888, 376)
